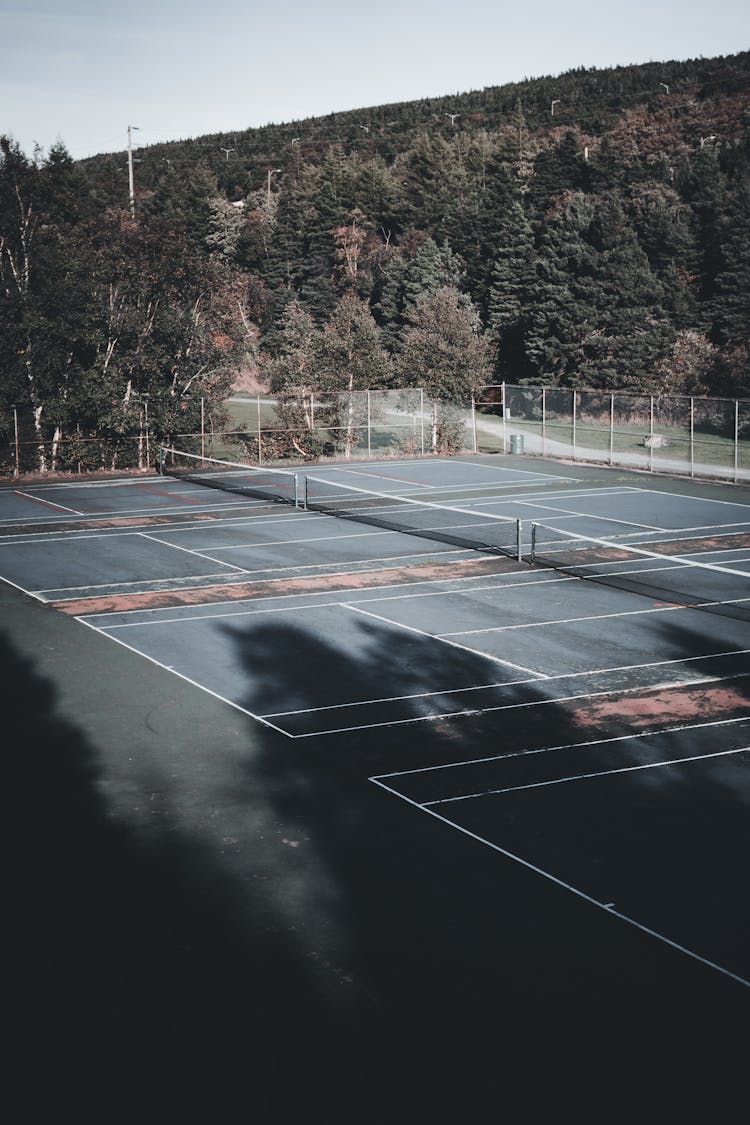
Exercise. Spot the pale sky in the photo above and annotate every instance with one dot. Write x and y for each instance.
(81, 71)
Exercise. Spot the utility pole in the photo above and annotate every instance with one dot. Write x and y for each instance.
(131, 186)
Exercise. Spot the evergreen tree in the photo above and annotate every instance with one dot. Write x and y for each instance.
(421, 270)
(599, 318)
(731, 302)
(511, 291)
(557, 321)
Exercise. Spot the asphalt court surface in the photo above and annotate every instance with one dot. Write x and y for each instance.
(616, 723)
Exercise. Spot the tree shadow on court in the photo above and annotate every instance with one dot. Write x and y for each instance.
(496, 995)
(139, 985)
(386, 969)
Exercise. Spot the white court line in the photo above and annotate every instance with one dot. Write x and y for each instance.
(652, 555)
(586, 776)
(46, 503)
(147, 582)
(134, 513)
(314, 539)
(188, 551)
(237, 611)
(31, 593)
(193, 683)
(453, 644)
(696, 681)
(594, 617)
(94, 484)
(607, 907)
(589, 516)
(585, 744)
(465, 712)
(74, 533)
(696, 499)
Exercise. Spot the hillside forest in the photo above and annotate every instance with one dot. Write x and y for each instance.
(588, 230)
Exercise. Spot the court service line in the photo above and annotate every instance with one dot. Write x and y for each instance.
(607, 907)
(696, 681)
(586, 776)
(595, 617)
(696, 499)
(189, 551)
(44, 537)
(647, 554)
(433, 637)
(476, 712)
(565, 512)
(313, 539)
(584, 745)
(664, 563)
(135, 513)
(415, 484)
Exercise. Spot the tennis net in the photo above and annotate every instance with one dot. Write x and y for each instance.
(258, 481)
(672, 574)
(441, 523)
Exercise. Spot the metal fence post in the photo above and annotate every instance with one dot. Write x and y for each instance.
(544, 421)
(203, 427)
(575, 401)
(369, 428)
(421, 418)
(260, 450)
(736, 438)
(611, 427)
(505, 442)
(651, 442)
(15, 434)
(474, 420)
(692, 436)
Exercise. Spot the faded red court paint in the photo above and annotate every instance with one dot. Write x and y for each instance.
(242, 591)
(98, 524)
(171, 495)
(659, 709)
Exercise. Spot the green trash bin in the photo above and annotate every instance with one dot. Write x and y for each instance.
(516, 443)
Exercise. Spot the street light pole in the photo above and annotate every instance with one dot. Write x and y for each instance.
(131, 185)
(270, 172)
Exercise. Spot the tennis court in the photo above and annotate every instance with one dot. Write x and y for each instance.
(547, 665)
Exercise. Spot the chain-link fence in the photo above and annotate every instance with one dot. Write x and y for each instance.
(357, 425)
(700, 437)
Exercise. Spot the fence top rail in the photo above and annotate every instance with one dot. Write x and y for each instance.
(604, 392)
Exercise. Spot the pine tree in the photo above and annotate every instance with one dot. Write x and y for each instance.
(511, 291)
(408, 278)
(599, 318)
(730, 306)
